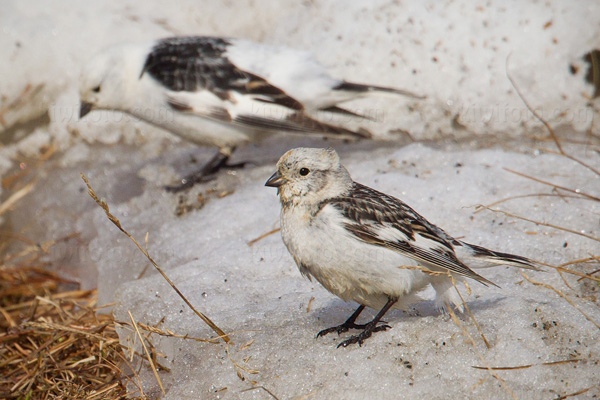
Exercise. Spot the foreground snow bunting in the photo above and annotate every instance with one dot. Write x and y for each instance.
(219, 92)
(366, 246)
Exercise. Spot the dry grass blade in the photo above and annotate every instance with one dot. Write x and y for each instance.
(15, 197)
(149, 357)
(117, 223)
(561, 151)
(568, 271)
(535, 114)
(237, 365)
(524, 196)
(423, 269)
(561, 294)
(304, 397)
(169, 333)
(264, 235)
(27, 93)
(578, 161)
(260, 388)
(487, 344)
(309, 304)
(580, 261)
(487, 367)
(588, 275)
(579, 193)
(528, 365)
(540, 223)
(577, 393)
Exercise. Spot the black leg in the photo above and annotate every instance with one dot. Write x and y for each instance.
(349, 324)
(371, 326)
(206, 173)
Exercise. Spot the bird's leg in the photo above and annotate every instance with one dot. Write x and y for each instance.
(349, 324)
(371, 326)
(207, 172)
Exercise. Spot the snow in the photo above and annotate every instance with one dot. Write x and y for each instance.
(256, 293)
(456, 53)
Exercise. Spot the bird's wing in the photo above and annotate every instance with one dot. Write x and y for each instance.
(202, 80)
(382, 220)
(246, 113)
(191, 64)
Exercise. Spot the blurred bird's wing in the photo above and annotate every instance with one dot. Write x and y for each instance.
(199, 78)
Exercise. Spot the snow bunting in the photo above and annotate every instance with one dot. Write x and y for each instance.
(366, 246)
(219, 92)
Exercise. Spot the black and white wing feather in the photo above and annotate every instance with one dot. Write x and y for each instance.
(201, 79)
(383, 220)
(192, 64)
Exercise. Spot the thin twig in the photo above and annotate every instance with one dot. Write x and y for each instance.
(117, 223)
(581, 261)
(169, 333)
(260, 387)
(147, 353)
(487, 367)
(568, 271)
(561, 294)
(487, 344)
(542, 120)
(528, 365)
(541, 223)
(589, 196)
(249, 370)
(15, 197)
(577, 393)
(264, 235)
(523, 196)
(570, 157)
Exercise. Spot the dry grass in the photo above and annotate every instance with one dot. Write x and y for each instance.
(53, 345)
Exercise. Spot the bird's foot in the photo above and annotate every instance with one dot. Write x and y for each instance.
(345, 327)
(238, 165)
(364, 335)
(190, 181)
(204, 175)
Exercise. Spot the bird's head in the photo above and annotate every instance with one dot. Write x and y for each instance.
(309, 176)
(105, 79)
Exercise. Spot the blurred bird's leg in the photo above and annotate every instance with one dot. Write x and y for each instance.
(207, 172)
(371, 326)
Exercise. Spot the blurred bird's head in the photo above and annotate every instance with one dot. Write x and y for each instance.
(107, 78)
(309, 176)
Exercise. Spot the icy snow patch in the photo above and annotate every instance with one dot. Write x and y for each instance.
(257, 294)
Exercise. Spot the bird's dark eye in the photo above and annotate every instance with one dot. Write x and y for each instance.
(304, 171)
(96, 89)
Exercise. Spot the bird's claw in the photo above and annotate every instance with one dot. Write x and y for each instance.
(364, 335)
(345, 327)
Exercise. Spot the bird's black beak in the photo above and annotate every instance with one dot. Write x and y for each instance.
(276, 180)
(85, 108)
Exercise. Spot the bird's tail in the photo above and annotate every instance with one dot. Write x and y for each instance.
(361, 89)
(307, 123)
(299, 122)
(479, 257)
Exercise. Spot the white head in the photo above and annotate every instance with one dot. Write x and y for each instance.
(309, 176)
(107, 78)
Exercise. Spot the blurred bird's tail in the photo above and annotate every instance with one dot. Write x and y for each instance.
(364, 90)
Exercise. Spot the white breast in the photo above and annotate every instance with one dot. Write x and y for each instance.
(344, 265)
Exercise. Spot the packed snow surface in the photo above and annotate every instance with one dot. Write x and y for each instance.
(460, 54)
